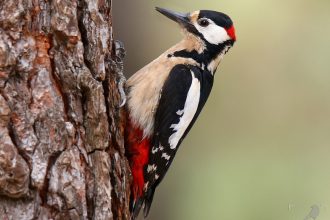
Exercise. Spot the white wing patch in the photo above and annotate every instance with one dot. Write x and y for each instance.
(146, 186)
(189, 110)
(179, 112)
(166, 156)
(151, 168)
(156, 149)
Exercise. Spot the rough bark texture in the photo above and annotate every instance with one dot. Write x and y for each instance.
(61, 134)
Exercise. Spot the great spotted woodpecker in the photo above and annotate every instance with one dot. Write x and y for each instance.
(165, 98)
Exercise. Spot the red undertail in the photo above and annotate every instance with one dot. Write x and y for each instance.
(138, 154)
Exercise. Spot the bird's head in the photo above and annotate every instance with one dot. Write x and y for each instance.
(214, 28)
(208, 35)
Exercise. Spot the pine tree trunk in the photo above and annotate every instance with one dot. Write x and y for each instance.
(61, 130)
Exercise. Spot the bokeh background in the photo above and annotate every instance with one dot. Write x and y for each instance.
(261, 147)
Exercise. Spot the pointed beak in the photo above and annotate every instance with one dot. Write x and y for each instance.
(182, 19)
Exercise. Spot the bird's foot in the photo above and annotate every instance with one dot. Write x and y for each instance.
(119, 68)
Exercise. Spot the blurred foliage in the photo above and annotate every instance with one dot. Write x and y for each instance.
(261, 147)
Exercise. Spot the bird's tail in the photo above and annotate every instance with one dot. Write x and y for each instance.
(135, 207)
(148, 200)
(145, 201)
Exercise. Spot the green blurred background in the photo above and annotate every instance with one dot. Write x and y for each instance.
(261, 148)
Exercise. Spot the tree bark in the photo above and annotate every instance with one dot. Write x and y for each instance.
(61, 132)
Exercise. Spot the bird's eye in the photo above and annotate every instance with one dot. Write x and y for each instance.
(203, 22)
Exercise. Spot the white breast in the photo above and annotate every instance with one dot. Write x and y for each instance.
(145, 88)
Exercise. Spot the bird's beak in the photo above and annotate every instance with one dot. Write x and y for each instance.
(180, 18)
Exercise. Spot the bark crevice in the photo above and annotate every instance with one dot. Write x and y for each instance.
(61, 131)
(44, 189)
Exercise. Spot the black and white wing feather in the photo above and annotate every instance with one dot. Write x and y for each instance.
(183, 96)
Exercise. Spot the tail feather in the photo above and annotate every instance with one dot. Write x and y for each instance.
(136, 207)
(144, 201)
(148, 200)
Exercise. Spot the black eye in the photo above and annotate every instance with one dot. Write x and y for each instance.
(203, 22)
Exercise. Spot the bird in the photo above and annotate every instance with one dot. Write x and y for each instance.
(165, 97)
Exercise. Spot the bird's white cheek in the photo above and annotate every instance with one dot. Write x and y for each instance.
(214, 34)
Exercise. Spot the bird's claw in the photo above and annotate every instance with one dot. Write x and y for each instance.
(119, 65)
(121, 83)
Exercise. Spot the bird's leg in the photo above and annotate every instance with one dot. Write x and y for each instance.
(118, 66)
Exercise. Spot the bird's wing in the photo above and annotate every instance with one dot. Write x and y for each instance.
(182, 98)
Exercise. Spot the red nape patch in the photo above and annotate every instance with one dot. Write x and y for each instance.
(231, 32)
(138, 155)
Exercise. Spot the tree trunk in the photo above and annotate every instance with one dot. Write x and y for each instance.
(61, 130)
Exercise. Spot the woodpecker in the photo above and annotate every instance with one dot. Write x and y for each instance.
(165, 97)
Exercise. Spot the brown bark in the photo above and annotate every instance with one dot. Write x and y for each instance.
(61, 134)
